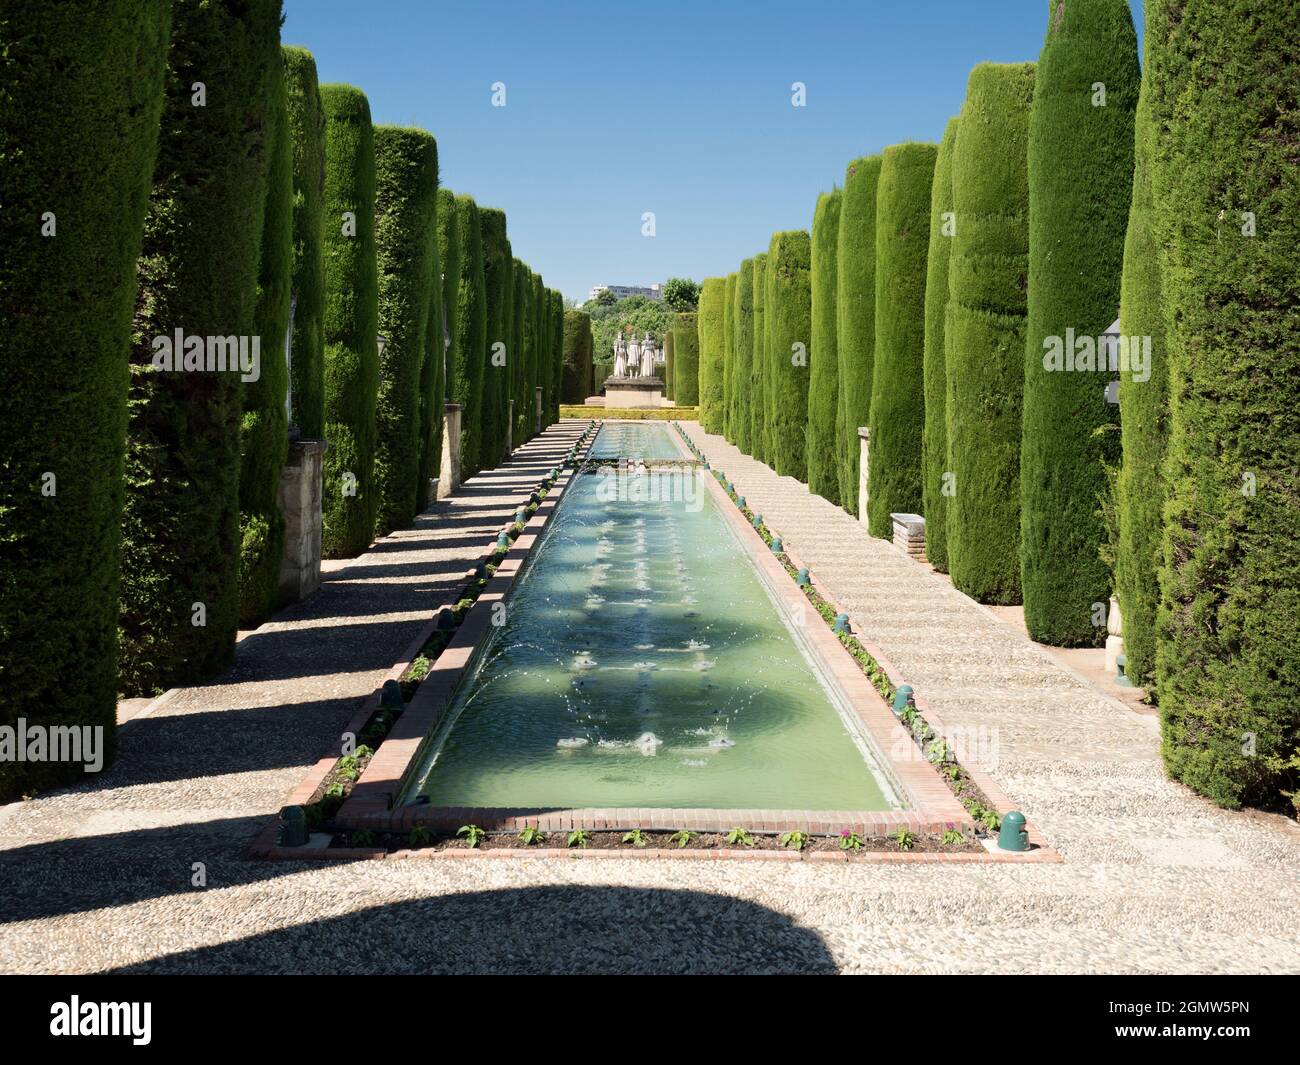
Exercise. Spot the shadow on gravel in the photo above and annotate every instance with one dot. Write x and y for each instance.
(536, 930)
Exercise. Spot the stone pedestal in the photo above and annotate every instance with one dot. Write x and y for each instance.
(449, 473)
(909, 533)
(627, 392)
(1114, 637)
(300, 503)
(864, 453)
(537, 417)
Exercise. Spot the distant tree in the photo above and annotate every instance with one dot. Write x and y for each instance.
(681, 293)
(603, 298)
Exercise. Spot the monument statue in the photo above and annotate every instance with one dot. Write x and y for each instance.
(648, 357)
(634, 357)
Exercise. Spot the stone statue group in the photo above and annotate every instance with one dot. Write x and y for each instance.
(635, 358)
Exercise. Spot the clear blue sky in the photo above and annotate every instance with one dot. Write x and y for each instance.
(614, 109)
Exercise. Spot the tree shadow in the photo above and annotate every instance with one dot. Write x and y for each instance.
(582, 930)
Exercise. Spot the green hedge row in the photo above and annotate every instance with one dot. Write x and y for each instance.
(577, 357)
(406, 196)
(264, 429)
(668, 364)
(433, 382)
(66, 301)
(984, 333)
(1080, 184)
(1223, 79)
(824, 373)
(470, 340)
(758, 364)
(519, 347)
(728, 356)
(711, 326)
(350, 499)
(934, 443)
(789, 324)
(557, 352)
(198, 273)
(686, 355)
(307, 138)
(742, 413)
(897, 412)
(536, 350)
(855, 317)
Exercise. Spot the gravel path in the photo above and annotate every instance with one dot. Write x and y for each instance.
(99, 877)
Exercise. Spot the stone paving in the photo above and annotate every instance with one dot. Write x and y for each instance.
(99, 877)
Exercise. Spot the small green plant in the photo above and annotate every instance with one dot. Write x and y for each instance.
(362, 837)
(906, 840)
(682, 837)
(348, 773)
(365, 752)
(334, 791)
(420, 836)
(850, 840)
(797, 840)
(738, 836)
(531, 835)
(579, 837)
(952, 836)
(472, 834)
(990, 820)
(636, 837)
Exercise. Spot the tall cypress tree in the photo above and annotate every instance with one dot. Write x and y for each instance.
(519, 350)
(758, 364)
(406, 196)
(789, 320)
(744, 393)
(433, 372)
(712, 312)
(984, 333)
(1144, 415)
(264, 429)
(198, 273)
(1227, 211)
(686, 355)
(470, 350)
(934, 444)
(897, 417)
(728, 356)
(668, 363)
(824, 373)
(1080, 185)
(307, 137)
(67, 286)
(855, 317)
(496, 261)
(350, 499)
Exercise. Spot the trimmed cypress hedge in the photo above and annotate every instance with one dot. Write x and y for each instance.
(824, 374)
(577, 356)
(450, 248)
(431, 405)
(1227, 656)
(198, 272)
(536, 351)
(1144, 419)
(934, 442)
(728, 355)
(557, 349)
(351, 324)
(66, 302)
(519, 348)
(897, 417)
(307, 136)
(1080, 185)
(496, 394)
(710, 325)
(758, 364)
(686, 355)
(741, 414)
(469, 349)
(668, 363)
(789, 324)
(264, 430)
(984, 332)
(406, 196)
(545, 369)
(855, 318)
(507, 381)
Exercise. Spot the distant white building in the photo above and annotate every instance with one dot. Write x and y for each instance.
(621, 292)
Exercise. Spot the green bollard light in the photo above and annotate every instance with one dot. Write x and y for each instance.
(292, 830)
(740, 502)
(841, 624)
(902, 698)
(776, 545)
(390, 696)
(758, 520)
(802, 579)
(1013, 836)
(521, 514)
(503, 539)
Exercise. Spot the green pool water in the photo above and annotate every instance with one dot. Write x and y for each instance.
(643, 663)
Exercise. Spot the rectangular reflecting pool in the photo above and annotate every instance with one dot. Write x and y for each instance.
(643, 662)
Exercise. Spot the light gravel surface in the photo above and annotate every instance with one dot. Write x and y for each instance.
(100, 877)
